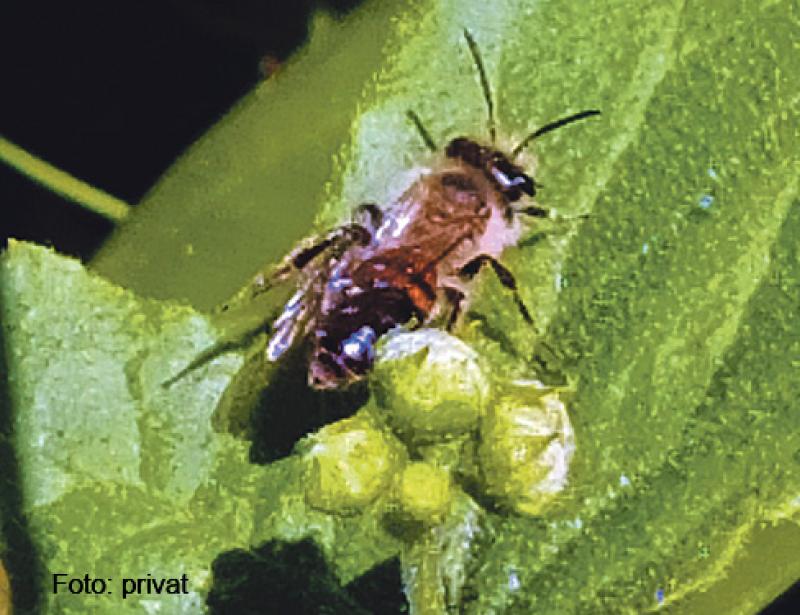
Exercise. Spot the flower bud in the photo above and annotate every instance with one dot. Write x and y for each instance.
(430, 384)
(424, 492)
(350, 463)
(526, 445)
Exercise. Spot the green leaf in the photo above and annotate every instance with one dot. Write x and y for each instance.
(673, 310)
(120, 476)
(249, 188)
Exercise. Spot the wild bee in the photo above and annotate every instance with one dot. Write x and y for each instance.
(411, 261)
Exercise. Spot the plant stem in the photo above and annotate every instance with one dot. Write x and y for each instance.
(63, 183)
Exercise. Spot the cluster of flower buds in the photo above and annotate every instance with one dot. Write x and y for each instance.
(431, 390)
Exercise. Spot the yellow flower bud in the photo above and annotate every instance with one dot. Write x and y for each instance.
(430, 384)
(350, 463)
(424, 492)
(526, 445)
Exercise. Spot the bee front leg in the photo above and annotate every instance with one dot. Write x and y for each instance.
(534, 211)
(471, 269)
(370, 216)
(539, 212)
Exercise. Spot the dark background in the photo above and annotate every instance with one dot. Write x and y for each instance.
(113, 92)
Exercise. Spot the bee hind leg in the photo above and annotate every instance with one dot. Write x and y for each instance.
(506, 278)
(455, 298)
(340, 239)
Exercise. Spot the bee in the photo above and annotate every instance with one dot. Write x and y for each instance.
(411, 261)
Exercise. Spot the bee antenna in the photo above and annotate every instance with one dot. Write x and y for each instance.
(550, 127)
(426, 136)
(487, 92)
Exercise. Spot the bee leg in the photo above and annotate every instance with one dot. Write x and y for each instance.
(370, 216)
(534, 211)
(471, 269)
(341, 238)
(539, 212)
(455, 298)
(548, 360)
(207, 355)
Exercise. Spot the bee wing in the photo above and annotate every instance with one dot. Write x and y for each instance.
(245, 314)
(289, 323)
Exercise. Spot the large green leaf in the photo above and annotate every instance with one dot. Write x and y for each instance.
(120, 476)
(674, 310)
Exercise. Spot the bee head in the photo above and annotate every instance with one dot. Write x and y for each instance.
(509, 179)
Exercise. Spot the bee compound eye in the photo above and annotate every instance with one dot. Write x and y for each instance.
(501, 177)
(512, 181)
